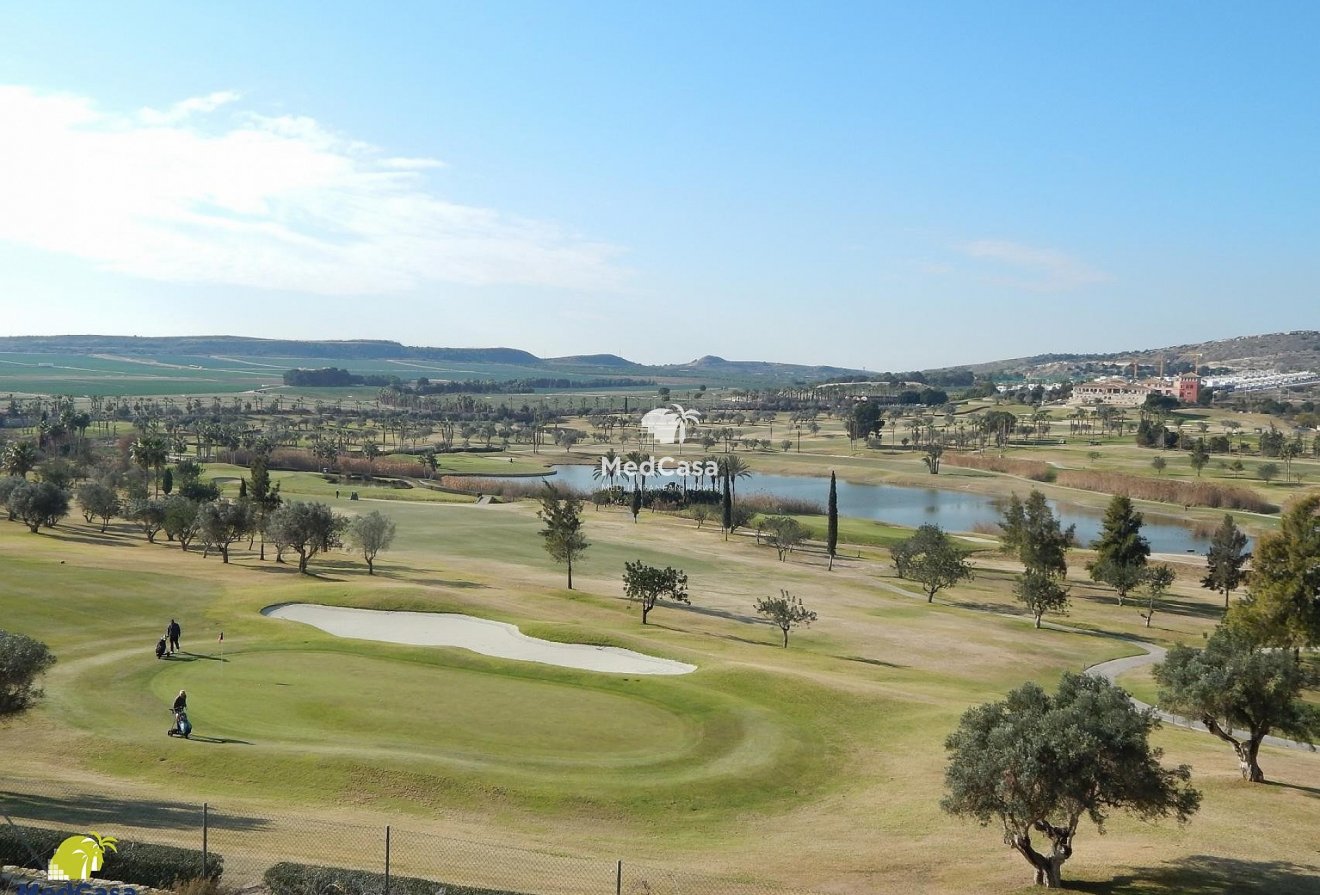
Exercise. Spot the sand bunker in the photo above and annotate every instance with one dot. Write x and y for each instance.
(477, 634)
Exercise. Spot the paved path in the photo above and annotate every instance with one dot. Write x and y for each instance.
(1111, 670)
(1114, 667)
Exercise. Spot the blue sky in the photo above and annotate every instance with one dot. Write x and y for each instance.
(876, 185)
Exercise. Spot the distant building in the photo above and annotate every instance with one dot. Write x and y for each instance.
(1261, 380)
(1116, 392)
(1189, 388)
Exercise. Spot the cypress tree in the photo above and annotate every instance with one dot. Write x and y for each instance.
(726, 508)
(832, 527)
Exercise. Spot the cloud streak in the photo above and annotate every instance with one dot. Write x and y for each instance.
(1033, 268)
(203, 192)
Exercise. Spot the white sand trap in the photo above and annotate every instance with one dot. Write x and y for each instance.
(480, 635)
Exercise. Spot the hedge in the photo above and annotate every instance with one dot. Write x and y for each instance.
(309, 879)
(158, 866)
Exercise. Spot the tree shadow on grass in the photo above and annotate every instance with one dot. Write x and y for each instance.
(292, 569)
(865, 661)
(100, 540)
(182, 656)
(430, 582)
(85, 810)
(1312, 791)
(1211, 875)
(717, 613)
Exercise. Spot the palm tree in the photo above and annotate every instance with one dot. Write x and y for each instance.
(21, 458)
(607, 461)
(733, 468)
(151, 453)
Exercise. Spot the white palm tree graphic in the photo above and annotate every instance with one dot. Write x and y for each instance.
(669, 424)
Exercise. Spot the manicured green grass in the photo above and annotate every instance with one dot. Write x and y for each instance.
(819, 765)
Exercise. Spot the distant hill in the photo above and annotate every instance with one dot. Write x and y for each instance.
(755, 369)
(481, 362)
(612, 361)
(1289, 351)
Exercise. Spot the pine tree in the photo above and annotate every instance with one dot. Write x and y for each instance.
(1121, 552)
(1225, 559)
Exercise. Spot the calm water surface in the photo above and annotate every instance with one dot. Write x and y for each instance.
(906, 505)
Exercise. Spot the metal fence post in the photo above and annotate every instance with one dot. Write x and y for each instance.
(206, 810)
(387, 859)
(618, 879)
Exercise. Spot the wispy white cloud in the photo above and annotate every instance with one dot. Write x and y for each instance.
(183, 109)
(1034, 268)
(272, 202)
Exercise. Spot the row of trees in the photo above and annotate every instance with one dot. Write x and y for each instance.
(198, 514)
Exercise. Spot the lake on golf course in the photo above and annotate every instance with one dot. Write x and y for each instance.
(913, 506)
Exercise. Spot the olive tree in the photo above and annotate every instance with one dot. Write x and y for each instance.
(785, 612)
(1037, 764)
(38, 504)
(646, 584)
(22, 661)
(305, 528)
(98, 501)
(1241, 691)
(931, 559)
(784, 533)
(182, 518)
(222, 522)
(370, 534)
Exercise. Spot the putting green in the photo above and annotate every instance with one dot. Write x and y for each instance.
(304, 697)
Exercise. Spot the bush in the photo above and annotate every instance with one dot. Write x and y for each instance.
(1197, 494)
(287, 878)
(1036, 470)
(771, 505)
(141, 863)
(22, 661)
(509, 489)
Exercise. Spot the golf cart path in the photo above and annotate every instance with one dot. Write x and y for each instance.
(1111, 669)
(1114, 667)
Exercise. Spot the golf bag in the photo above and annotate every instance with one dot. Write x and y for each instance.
(182, 726)
(160, 648)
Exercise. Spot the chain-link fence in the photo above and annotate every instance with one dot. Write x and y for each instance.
(251, 842)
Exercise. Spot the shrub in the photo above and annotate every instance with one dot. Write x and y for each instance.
(1200, 494)
(771, 505)
(1036, 470)
(509, 489)
(158, 866)
(287, 878)
(22, 661)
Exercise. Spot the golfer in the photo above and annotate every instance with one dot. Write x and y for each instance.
(174, 632)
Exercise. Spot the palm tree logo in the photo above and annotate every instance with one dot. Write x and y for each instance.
(669, 425)
(78, 857)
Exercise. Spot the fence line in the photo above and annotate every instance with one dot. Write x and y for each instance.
(250, 843)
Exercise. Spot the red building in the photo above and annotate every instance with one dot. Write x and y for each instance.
(1189, 388)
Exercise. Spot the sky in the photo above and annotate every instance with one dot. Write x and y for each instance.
(881, 185)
